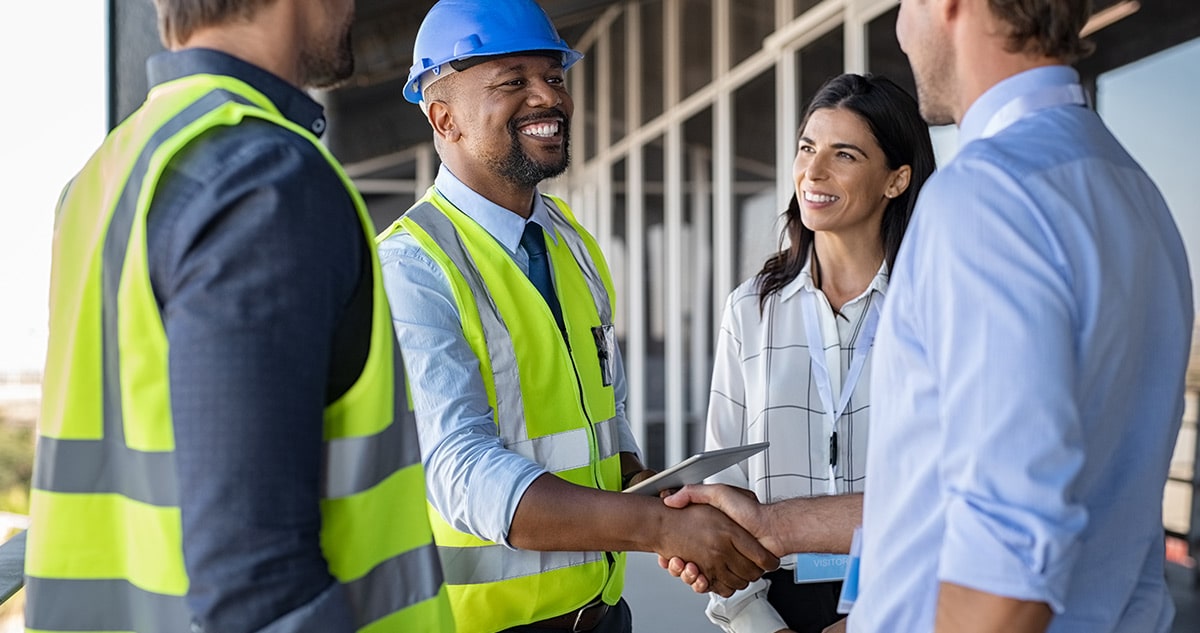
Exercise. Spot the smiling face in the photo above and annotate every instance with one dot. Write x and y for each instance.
(841, 174)
(513, 115)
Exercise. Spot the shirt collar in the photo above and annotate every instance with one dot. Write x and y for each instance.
(293, 103)
(502, 224)
(804, 281)
(1019, 85)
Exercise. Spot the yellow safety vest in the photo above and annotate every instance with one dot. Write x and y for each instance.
(104, 550)
(548, 399)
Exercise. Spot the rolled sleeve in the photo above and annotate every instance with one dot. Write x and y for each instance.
(1005, 359)
(625, 439)
(472, 480)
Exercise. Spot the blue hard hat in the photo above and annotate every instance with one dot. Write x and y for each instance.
(459, 29)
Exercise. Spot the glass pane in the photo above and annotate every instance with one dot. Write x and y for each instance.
(617, 254)
(654, 289)
(616, 98)
(804, 5)
(884, 56)
(583, 75)
(699, 331)
(753, 21)
(754, 173)
(819, 62)
(651, 85)
(697, 45)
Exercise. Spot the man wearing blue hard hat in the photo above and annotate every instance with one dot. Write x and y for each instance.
(503, 306)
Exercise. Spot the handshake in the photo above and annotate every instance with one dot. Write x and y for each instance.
(731, 539)
(726, 540)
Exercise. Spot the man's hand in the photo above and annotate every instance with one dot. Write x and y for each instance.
(738, 504)
(729, 556)
(811, 524)
(633, 471)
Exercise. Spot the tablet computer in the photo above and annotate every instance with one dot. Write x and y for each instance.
(694, 469)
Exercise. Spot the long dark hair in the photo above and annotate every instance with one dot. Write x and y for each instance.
(894, 120)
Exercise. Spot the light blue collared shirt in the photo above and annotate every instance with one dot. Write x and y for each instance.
(1028, 378)
(472, 480)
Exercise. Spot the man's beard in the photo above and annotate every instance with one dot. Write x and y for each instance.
(933, 106)
(331, 65)
(935, 84)
(519, 168)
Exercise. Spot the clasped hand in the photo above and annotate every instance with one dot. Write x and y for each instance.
(738, 505)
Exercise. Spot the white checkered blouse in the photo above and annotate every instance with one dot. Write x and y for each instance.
(762, 389)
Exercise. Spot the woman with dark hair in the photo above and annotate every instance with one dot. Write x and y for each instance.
(863, 153)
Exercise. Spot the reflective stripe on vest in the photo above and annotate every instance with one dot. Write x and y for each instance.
(106, 534)
(118, 605)
(493, 563)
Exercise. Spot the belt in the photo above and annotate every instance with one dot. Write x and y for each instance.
(583, 619)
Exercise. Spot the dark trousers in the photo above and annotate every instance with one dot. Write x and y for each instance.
(617, 620)
(807, 608)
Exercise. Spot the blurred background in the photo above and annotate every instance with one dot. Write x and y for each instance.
(686, 114)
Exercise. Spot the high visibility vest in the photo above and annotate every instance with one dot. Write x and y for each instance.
(548, 399)
(104, 549)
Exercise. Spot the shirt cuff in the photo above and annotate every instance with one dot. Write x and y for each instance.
(746, 611)
(520, 484)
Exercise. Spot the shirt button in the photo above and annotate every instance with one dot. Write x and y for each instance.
(318, 126)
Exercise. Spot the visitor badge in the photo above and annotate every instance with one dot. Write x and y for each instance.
(820, 567)
(850, 586)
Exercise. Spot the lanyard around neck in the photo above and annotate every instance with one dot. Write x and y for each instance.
(1024, 105)
(820, 370)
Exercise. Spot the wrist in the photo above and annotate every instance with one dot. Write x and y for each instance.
(627, 478)
(769, 533)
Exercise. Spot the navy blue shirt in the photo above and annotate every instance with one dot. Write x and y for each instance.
(261, 269)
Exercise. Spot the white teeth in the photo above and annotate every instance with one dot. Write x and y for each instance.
(541, 129)
(819, 197)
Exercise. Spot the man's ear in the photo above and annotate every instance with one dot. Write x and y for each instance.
(442, 121)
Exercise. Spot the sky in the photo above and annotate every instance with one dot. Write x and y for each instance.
(52, 65)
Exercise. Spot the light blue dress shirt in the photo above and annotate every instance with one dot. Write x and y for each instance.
(472, 480)
(1028, 377)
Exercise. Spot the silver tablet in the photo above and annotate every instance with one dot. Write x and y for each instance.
(694, 469)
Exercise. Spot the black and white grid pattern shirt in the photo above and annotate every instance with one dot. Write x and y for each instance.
(763, 390)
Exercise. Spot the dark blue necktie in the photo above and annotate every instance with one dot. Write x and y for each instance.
(539, 268)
